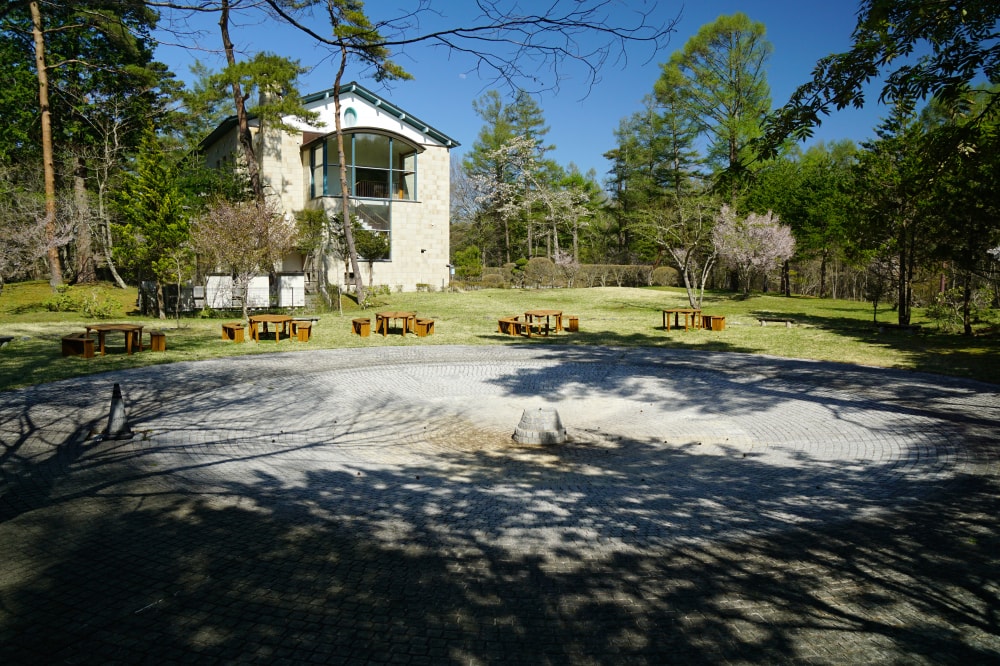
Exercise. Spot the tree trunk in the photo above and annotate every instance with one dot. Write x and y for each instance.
(345, 192)
(86, 272)
(107, 256)
(324, 269)
(530, 249)
(684, 265)
(103, 224)
(242, 120)
(903, 286)
(245, 289)
(822, 274)
(177, 301)
(576, 241)
(160, 304)
(555, 237)
(967, 304)
(48, 158)
(506, 238)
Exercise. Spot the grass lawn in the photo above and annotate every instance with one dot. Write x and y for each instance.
(828, 330)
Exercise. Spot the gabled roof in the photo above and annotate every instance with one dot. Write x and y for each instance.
(349, 88)
(220, 131)
(390, 108)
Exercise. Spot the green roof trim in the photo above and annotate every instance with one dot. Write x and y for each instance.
(386, 106)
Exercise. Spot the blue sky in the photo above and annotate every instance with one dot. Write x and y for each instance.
(582, 119)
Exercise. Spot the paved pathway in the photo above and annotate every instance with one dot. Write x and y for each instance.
(370, 506)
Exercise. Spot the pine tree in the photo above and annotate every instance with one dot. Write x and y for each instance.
(153, 229)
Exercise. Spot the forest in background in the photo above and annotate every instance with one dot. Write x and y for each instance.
(706, 187)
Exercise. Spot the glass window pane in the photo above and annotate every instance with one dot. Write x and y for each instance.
(316, 186)
(404, 162)
(332, 188)
(371, 150)
(373, 215)
(331, 149)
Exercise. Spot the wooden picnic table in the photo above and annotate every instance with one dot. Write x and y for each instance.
(277, 319)
(532, 315)
(133, 334)
(692, 317)
(383, 319)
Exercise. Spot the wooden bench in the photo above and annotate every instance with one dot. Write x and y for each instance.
(157, 341)
(303, 320)
(233, 331)
(509, 325)
(776, 320)
(78, 344)
(302, 329)
(424, 327)
(362, 327)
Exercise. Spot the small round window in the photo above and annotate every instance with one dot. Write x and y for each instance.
(350, 117)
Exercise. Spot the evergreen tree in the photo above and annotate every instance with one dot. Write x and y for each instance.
(489, 162)
(93, 65)
(893, 178)
(720, 76)
(964, 203)
(153, 229)
(916, 48)
(811, 192)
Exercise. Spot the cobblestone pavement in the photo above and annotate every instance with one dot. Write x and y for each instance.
(370, 506)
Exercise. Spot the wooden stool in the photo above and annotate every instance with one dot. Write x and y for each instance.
(232, 332)
(157, 341)
(78, 344)
(713, 322)
(424, 327)
(362, 327)
(303, 329)
(574, 324)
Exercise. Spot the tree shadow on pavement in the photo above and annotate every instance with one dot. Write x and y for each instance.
(242, 542)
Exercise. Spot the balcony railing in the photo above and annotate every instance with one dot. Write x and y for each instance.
(371, 188)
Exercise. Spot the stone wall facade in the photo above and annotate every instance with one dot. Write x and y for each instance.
(419, 237)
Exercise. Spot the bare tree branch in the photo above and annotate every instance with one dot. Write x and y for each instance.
(511, 48)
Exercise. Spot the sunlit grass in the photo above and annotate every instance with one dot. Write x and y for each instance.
(829, 330)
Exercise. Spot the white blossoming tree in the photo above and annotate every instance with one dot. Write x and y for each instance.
(245, 237)
(752, 245)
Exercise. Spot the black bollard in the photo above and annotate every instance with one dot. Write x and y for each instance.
(117, 422)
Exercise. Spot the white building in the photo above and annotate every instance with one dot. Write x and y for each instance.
(398, 170)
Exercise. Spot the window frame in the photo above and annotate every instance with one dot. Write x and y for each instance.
(401, 176)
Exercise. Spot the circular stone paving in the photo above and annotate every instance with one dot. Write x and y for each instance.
(662, 446)
(371, 504)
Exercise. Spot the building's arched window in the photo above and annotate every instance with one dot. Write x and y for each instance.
(378, 167)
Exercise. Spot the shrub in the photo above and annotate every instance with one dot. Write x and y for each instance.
(540, 271)
(664, 276)
(468, 265)
(373, 293)
(99, 308)
(516, 271)
(493, 281)
(63, 301)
